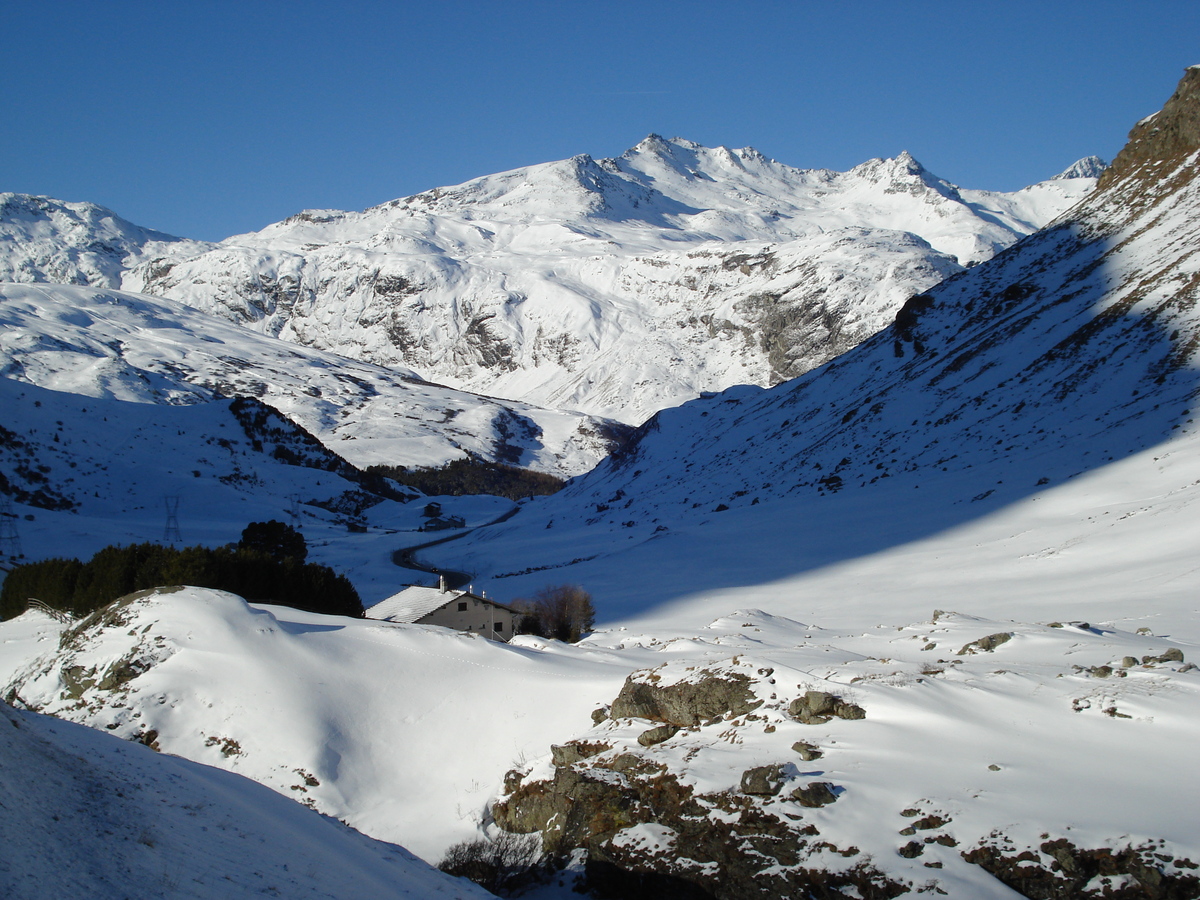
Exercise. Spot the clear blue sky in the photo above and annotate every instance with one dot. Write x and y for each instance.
(207, 119)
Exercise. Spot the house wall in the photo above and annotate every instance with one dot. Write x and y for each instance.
(479, 617)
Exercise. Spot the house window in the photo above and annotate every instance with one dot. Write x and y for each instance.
(498, 626)
(462, 606)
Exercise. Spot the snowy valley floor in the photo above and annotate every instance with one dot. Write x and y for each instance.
(1080, 725)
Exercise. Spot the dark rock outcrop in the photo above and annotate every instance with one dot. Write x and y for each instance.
(687, 703)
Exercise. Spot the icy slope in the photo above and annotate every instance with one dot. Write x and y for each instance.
(140, 349)
(87, 815)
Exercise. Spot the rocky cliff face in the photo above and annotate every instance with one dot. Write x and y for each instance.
(1164, 140)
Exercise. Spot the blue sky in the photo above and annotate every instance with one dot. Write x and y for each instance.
(207, 119)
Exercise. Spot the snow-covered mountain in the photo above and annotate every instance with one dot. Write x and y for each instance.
(47, 240)
(922, 620)
(1066, 352)
(145, 350)
(616, 286)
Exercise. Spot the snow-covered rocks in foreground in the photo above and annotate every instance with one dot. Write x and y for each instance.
(954, 756)
(757, 747)
(85, 814)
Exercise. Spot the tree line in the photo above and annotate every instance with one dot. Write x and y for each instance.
(266, 566)
(472, 476)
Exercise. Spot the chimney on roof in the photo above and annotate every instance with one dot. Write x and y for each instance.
(442, 583)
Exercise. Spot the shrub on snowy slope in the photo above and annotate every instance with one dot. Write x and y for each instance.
(81, 588)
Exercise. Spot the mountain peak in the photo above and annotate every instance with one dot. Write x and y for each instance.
(1088, 167)
(651, 143)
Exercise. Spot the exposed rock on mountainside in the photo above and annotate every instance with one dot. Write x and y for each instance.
(633, 812)
(1164, 140)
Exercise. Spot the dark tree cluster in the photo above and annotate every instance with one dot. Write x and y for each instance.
(563, 612)
(262, 574)
(472, 476)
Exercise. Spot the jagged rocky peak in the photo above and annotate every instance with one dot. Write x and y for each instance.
(1169, 136)
(1088, 167)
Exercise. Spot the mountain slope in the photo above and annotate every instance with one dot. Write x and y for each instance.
(1068, 351)
(139, 349)
(614, 286)
(88, 815)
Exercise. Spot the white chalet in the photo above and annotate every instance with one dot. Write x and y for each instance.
(460, 610)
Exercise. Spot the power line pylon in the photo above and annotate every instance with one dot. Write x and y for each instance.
(10, 541)
(171, 532)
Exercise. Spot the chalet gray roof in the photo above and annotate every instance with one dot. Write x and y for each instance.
(412, 603)
(415, 602)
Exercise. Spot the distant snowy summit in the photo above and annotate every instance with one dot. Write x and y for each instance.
(47, 240)
(1088, 167)
(613, 286)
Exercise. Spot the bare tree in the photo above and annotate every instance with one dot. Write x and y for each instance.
(491, 862)
(562, 611)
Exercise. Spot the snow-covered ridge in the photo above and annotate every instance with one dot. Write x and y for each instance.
(616, 286)
(47, 240)
(140, 349)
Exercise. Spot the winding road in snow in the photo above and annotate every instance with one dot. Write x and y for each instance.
(405, 557)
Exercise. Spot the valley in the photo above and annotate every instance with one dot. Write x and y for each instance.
(895, 575)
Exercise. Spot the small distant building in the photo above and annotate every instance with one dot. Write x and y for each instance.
(441, 523)
(460, 610)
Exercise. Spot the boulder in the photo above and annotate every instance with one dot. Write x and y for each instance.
(703, 696)
(764, 781)
(817, 707)
(988, 643)
(817, 793)
(657, 735)
(807, 752)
